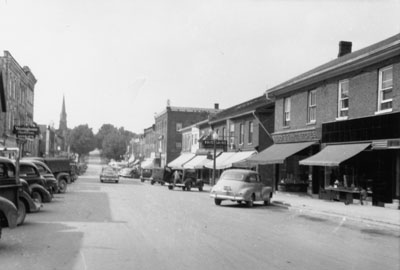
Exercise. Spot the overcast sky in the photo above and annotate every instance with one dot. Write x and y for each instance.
(119, 61)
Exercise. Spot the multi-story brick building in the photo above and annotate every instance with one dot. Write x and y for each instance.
(340, 123)
(168, 124)
(19, 84)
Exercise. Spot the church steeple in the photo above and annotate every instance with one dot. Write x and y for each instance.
(63, 117)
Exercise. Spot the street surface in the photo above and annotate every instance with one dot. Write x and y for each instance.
(134, 225)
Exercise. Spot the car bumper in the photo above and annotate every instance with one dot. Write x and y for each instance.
(231, 197)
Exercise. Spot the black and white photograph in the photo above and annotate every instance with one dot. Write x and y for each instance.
(199, 134)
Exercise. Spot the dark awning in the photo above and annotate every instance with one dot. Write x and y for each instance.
(276, 154)
(333, 155)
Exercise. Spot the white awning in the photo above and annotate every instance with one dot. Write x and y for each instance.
(178, 163)
(196, 163)
(220, 161)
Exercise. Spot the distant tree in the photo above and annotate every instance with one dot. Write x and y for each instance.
(104, 131)
(82, 140)
(114, 146)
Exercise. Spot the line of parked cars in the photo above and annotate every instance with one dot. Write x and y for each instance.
(38, 180)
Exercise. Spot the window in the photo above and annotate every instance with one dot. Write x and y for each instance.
(312, 106)
(343, 100)
(178, 126)
(232, 135)
(385, 89)
(241, 138)
(223, 133)
(251, 129)
(286, 111)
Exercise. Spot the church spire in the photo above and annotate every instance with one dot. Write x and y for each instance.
(63, 117)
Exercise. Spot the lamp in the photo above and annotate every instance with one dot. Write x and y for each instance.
(215, 138)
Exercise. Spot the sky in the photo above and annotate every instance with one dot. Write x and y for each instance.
(119, 62)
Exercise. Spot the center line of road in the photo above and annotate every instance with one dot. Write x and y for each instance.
(340, 225)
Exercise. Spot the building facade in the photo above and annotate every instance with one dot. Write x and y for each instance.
(349, 111)
(19, 84)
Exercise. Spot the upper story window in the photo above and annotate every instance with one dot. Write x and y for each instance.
(312, 106)
(241, 137)
(385, 89)
(223, 133)
(343, 99)
(286, 111)
(251, 130)
(178, 126)
(232, 135)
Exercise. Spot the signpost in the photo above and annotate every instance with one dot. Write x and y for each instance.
(23, 133)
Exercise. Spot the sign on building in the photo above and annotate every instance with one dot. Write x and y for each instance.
(26, 132)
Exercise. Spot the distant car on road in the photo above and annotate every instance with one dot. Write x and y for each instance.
(129, 172)
(109, 174)
(242, 186)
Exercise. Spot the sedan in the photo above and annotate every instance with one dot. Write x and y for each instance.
(129, 172)
(109, 174)
(240, 185)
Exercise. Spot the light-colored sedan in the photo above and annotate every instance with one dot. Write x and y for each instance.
(241, 185)
(109, 174)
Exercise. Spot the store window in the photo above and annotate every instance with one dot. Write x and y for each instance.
(241, 129)
(385, 89)
(312, 106)
(286, 112)
(343, 99)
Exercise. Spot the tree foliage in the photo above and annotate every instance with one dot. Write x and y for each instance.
(82, 140)
(104, 131)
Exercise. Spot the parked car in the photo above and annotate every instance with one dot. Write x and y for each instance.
(145, 174)
(37, 183)
(18, 192)
(109, 174)
(187, 181)
(61, 169)
(45, 171)
(129, 172)
(241, 185)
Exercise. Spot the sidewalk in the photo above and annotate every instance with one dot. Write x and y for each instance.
(363, 213)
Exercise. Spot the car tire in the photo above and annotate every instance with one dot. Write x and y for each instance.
(200, 188)
(217, 201)
(36, 196)
(62, 186)
(152, 182)
(21, 212)
(183, 188)
(116, 181)
(101, 181)
(250, 203)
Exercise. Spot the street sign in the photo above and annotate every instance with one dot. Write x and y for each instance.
(26, 132)
(218, 143)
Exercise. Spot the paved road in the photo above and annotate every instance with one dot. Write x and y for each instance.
(133, 225)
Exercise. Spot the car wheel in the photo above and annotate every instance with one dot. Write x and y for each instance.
(141, 180)
(183, 188)
(200, 188)
(101, 181)
(37, 197)
(188, 187)
(62, 186)
(170, 187)
(162, 183)
(217, 201)
(239, 202)
(152, 182)
(21, 212)
(250, 202)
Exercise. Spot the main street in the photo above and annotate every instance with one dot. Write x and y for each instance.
(134, 225)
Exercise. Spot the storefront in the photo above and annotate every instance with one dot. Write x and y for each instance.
(366, 163)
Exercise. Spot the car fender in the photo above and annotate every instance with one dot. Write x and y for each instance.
(32, 206)
(10, 212)
(247, 192)
(266, 193)
(65, 176)
(46, 196)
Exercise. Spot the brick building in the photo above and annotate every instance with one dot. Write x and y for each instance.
(18, 89)
(338, 124)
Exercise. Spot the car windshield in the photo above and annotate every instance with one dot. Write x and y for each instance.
(236, 176)
(108, 170)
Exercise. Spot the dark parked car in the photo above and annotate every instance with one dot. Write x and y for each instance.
(187, 181)
(37, 183)
(129, 172)
(51, 182)
(145, 174)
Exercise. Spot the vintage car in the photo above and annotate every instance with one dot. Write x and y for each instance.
(109, 174)
(129, 172)
(51, 182)
(187, 181)
(37, 183)
(241, 185)
(145, 174)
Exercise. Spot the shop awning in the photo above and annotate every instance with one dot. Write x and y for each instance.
(180, 161)
(220, 161)
(237, 158)
(147, 163)
(196, 163)
(275, 154)
(333, 155)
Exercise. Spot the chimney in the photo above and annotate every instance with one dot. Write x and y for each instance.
(344, 48)
(216, 106)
